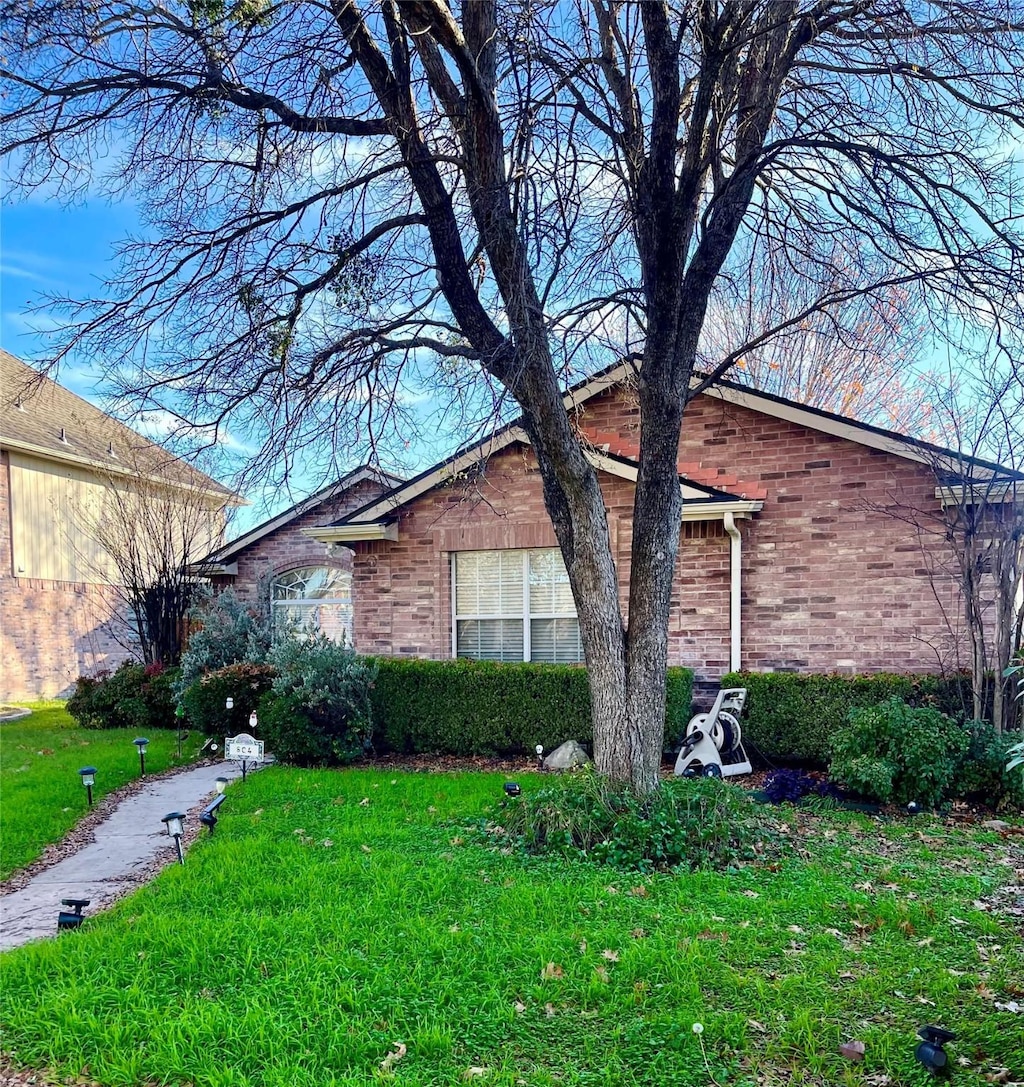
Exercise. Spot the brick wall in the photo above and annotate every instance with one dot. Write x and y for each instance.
(830, 580)
(51, 632)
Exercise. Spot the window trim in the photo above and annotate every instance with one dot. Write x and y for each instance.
(525, 616)
(307, 602)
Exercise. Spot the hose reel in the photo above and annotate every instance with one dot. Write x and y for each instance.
(713, 741)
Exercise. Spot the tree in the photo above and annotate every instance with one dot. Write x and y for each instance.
(343, 197)
(146, 526)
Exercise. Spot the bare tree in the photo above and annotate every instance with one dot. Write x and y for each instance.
(343, 198)
(145, 527)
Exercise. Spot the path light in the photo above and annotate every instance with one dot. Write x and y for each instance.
(88, 780)
(253, 720)
(71, 920)
(929, 1051)
(141, 744)
(221, 784)
(512, 788)
(174, 821)
(540, 756)
(229, 703)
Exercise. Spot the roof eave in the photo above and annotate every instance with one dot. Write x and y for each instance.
(353, 533)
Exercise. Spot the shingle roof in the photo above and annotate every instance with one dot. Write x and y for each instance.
(40, 417)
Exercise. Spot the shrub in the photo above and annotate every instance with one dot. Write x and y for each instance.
(319, 711)
(693, 823)
(895, 752)
(983, 774)
(794, 717)
(136, 696)
(204, 701)
(465, 707)
(229, 633)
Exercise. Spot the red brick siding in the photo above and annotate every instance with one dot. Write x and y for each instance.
(828, 583)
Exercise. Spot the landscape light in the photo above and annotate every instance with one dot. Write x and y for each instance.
(141, 744)
(174, 821)
(929, 1051)
(512, 788)
(88, 780)
(67, 920)
(253, 720)
(230, 703)
(540, 756)
(221, 784)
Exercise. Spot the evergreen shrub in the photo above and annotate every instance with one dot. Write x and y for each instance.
(136, 696)
(204, 701)
(318, 712)
(793, 718)
(465, 707)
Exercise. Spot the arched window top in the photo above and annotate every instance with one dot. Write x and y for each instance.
(311, 583)
(317, 597)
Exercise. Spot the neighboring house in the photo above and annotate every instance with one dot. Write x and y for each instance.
(278, 565)
(65, 468)
(798, 546)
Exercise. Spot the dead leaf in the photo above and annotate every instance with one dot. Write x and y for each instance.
(549, 1010)
(760, 1027)
(853, 1051)
(396, 1054)
(612, 890)
(552, 970)
(639, 891)
(475, 1071)
(520, 1007)
(1010, 1006)
(602, 974)
(583, 947)
(638, 933)
(1000, 1075)
(611, 956)
(365, 848)
(751, 894)
(364, 802)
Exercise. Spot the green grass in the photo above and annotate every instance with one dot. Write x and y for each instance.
(314, 931)
(41, 794)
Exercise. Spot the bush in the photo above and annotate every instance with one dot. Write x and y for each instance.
(983, 775)
(204, 701)
(898, 753)
(465, 707)
(793, 717)
(693, 823)
(136, 696)
(795, 785)
(318, 713)
(229, 633)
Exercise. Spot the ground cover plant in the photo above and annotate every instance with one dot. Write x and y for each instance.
(344, 927)
(41, 793)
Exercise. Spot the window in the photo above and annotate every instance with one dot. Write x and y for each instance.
(515, 606)
(313, 596)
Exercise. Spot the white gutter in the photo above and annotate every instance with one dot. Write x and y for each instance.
(735, 582)
(364, 530)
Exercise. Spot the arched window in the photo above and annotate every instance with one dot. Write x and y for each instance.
(316, 596)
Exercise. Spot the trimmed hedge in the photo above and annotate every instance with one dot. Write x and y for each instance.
(136, 696)
(464, 707)
(793, 718)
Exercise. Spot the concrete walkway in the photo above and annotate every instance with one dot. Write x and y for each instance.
(122, 858)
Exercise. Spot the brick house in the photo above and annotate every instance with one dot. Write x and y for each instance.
(61, 610)
(798, 549)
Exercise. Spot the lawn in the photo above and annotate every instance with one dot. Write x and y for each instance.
(335, 918)
(41, 794)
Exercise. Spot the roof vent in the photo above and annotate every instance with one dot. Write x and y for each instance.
(64, 436)
(110, 450)
(19, 405)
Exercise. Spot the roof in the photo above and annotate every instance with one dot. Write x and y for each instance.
(700, 500)
(227, 553)
(40, 418)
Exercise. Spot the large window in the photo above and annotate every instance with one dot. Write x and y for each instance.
(515, 606)
(313, 596)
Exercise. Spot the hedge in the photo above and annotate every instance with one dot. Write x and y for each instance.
(464, 707)
(791, 718)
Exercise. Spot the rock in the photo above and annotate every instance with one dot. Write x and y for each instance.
(989, 824)
(567, 757)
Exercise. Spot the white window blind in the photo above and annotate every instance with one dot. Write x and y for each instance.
(515, 606)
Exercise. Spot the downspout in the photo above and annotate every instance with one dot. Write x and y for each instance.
(735, 582)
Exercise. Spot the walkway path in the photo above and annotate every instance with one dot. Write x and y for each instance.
(130, 844)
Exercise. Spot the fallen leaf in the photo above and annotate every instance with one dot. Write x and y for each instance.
(757, 1026)
(552, 970)
(853, 1051)
(394, 1056)
(611, 956)
(365, 848)
(1000, 1075)
(475, 1071)
(1010, 1006)
(364, 802)
(612, 890)
(751, 894)
(520, 1007)
(602, 974)
(583, 947)
(638, 933)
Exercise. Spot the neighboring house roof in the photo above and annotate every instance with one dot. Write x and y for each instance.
(40, 418)
(227, 553)
(375, 520)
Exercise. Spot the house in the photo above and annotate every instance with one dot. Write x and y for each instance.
(809, 542)
(66, 469)
(278, 565)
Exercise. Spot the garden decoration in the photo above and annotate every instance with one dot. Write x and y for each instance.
(141, 743)
(713, 742)
(929, 1051)
(88, 774)
(243, 749)
(66, 920)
